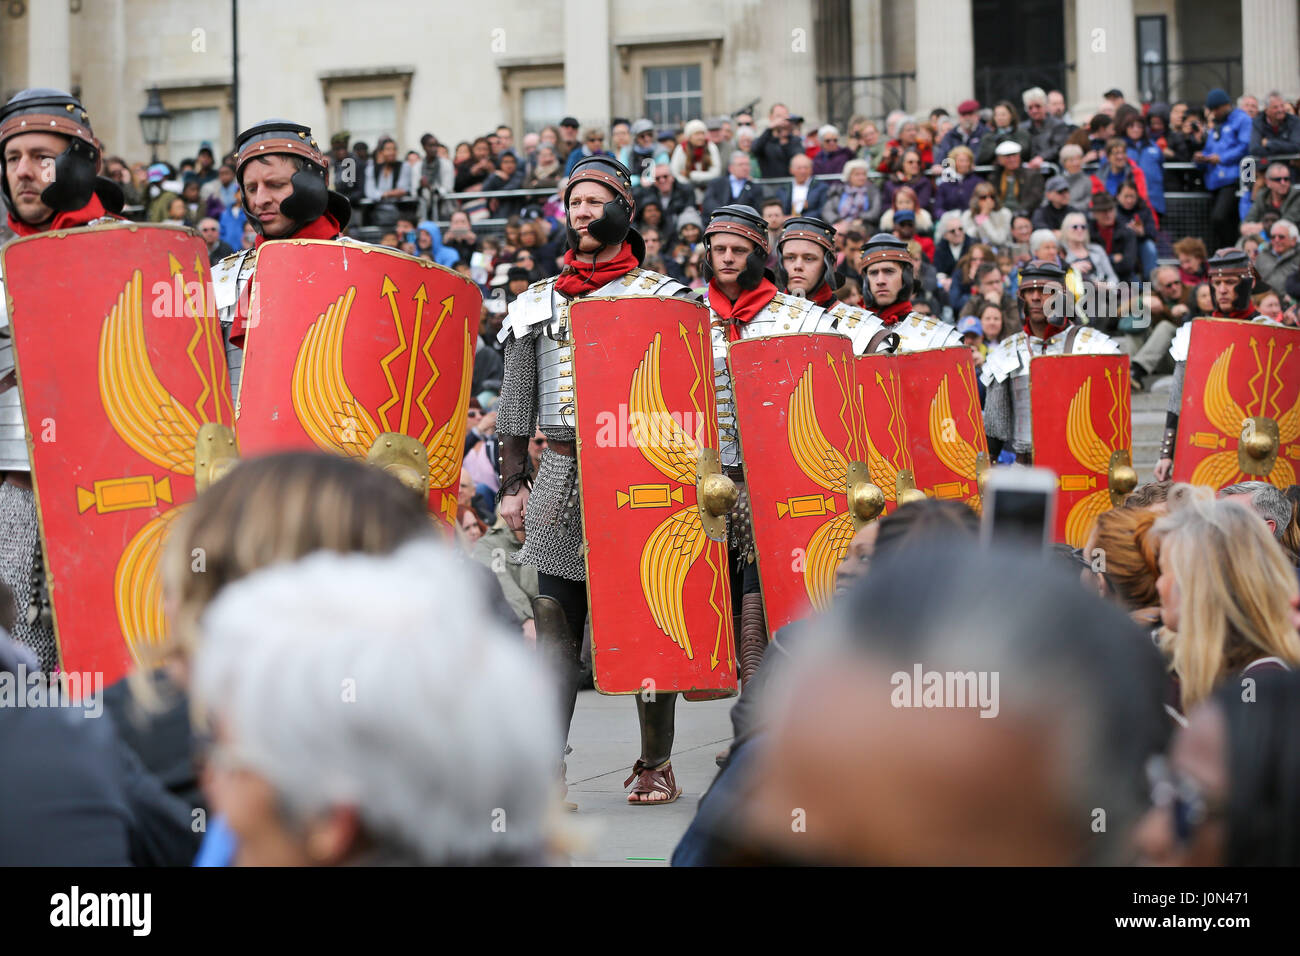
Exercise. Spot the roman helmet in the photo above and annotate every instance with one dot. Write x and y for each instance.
(1049, 278)
(76, 169)
(814, 230)
(615, 225)
(743, 221)
(310, 198)
(883, 247)
(1234, 263)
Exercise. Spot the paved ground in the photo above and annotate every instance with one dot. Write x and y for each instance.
(605, 739)
(605, 742)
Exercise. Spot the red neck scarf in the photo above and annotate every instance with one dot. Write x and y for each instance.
(1048, 332)
(579, 278)
(891, 314)
(822, 295)
(326, 227)
(62, 220)
(1241, 315)
(746, 306)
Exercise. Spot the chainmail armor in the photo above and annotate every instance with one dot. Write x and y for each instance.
(23, 570)
(1176, 389)
(997, 411)
(517, 408)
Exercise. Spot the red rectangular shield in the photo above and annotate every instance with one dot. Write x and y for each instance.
(120, 360)
(805, 445)
(657, 578)
(1240, 417)
(945, 424)
(1083, 430)
(348, 342)
(889, 449)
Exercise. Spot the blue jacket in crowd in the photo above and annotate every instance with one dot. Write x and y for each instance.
(1229, 141)
(1151, 161)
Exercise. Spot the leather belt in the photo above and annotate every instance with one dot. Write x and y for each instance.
(565, 448)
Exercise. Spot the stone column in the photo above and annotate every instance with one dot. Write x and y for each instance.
(945, 55)
(587, 61)
(1270, 33)
(868, 52)
(48, 45)
(1105, 53)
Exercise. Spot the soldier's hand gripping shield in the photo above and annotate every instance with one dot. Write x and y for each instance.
(1082, 428)
(653, 498)
(1240, 417)
(122, 371)
(361, 351)
(805, 446)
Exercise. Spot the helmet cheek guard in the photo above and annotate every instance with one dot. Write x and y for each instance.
(883, 247)
(744, 222)
(615, 221)
(816, 231)
(310, 196)
(1233, 263)
(76, 169)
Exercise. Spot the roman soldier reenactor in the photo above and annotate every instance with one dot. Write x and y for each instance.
(888, 281)
(282, 179)
(1006, 370)
(1232, 279)
(806, 266)
(537, 391)
(50, 159)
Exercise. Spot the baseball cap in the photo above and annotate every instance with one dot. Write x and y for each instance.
(968, 106)
(1112, 92)
(969, 324)
(904, 215)
(1008, 147)
(1056, 184)
(569, 121)
(642, 126)
(713, 123)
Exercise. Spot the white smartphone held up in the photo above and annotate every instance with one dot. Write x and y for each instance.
(1019, 506)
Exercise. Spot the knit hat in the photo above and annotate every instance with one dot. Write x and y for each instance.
(695, 126)
(1216, 98)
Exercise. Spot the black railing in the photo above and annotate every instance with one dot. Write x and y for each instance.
(993, 83)
(881, 94)
(1169, 80)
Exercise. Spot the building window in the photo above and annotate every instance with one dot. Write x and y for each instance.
(191, 128)
(542, 106)
(673, 94)
(1153, 60)
(369, 117)
(366, 103)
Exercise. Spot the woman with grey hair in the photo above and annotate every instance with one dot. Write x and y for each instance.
(405, 729)
(855, 196)
(1081, 184)
(1082, 255)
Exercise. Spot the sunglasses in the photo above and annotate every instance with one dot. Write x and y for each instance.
(1279, 179)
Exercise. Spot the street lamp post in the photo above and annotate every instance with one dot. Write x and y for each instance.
(155, 122)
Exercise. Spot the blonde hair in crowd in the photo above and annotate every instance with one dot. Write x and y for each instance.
(1235, 590)
(272, 510)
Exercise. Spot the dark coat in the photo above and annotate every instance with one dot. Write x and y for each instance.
(1281, 142)
(1124, 243)
(774, 156)
(954, 194)
(1047, 216)
(1025, 195)
(718, 194)
(681, 197)
(817, 192)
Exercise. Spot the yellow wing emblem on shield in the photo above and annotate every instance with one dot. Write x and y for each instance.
(824, 465)
(1093, 453)
(446, 450)
(674, 546)
(153, 422)
(326, 407)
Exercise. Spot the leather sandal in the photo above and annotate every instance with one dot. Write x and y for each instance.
(649, 779)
